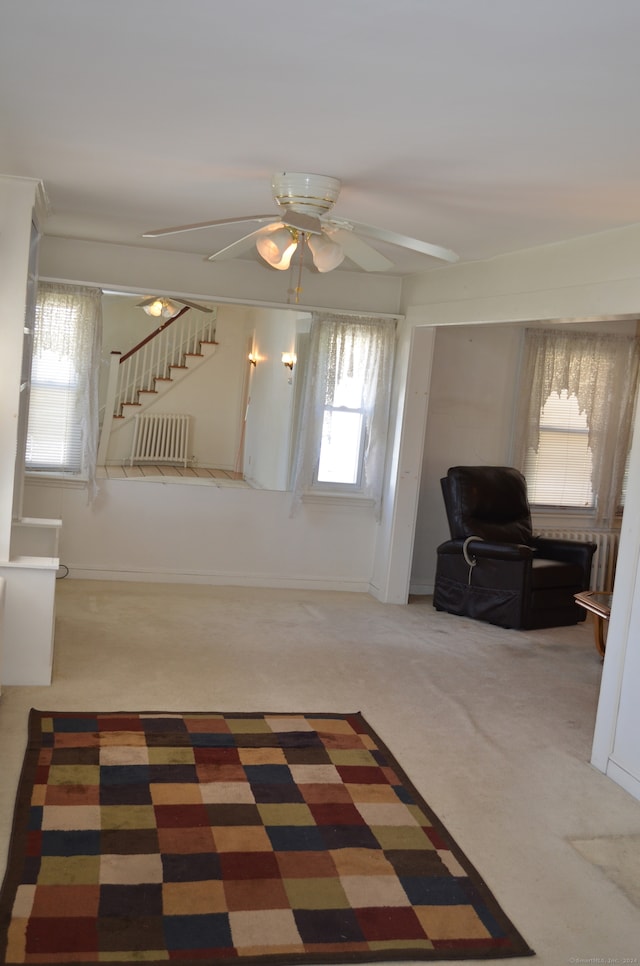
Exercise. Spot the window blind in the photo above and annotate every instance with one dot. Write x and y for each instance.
(62, 424)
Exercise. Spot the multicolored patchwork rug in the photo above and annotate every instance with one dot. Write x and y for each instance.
(152, 838)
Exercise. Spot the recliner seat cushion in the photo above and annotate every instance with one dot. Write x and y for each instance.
(555, 573)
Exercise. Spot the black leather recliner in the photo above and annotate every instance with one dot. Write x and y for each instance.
(494, 569)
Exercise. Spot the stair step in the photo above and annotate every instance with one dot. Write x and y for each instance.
(162, 383)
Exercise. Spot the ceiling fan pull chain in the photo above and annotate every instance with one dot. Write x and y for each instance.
(297, 291)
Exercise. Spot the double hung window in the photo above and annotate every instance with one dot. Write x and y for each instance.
(578, 393)
(62, 425)
(345, 407)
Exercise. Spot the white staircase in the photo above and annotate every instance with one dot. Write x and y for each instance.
(139, 377)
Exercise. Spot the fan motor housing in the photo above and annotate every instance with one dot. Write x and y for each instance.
(312, 194)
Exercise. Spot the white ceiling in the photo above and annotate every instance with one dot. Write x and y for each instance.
(485, 126)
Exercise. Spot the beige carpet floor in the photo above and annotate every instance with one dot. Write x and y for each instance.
(493, 727)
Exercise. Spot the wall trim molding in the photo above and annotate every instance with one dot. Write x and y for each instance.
(623, 778)
(282, 582)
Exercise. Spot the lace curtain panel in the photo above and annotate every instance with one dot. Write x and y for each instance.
(364, 347)
(68, 332)
(601, 370)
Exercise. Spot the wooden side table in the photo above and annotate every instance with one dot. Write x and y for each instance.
(597, 603)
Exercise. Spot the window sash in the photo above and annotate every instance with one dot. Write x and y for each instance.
(341, 448)
(62, 424)
(601, 371)
(349, 371)
(559, 472)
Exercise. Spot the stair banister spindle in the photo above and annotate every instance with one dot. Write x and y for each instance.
(160, 357)
(146, 363)
(124, 381)
(129, 380)
(157, 352)
(137, 366)
(177, 361)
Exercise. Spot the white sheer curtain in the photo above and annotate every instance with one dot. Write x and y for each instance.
(365, 348)
(66, 353)
(601, 370)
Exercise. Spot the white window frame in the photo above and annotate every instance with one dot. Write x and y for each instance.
(544, 469)
(601, 370)
(73, 337)
(336, 343)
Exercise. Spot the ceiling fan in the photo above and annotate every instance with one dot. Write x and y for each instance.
(305, 201)
(160, 307)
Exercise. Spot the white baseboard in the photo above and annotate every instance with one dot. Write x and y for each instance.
(221, 580)
(625, 779)
(421, 589)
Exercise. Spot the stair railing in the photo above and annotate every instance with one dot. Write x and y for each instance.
(136, 371)
(152, 358)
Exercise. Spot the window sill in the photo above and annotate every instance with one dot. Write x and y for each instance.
(338, 498)
(55, 479)
(576, 518)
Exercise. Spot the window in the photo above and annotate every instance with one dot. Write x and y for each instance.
(341, 447)
(62, 425)
(344, 420)
(53, 436)
(559, 473)
(345, 407)
(577, 394)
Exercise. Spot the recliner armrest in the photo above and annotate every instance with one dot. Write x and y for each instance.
(485, 548)
(568, 551)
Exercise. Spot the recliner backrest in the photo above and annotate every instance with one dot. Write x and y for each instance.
(489, 502)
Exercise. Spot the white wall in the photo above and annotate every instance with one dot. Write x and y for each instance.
(166, 273)
(27, 619)
(471, 401)
(267, 444)
(146, 530)
(17, 200)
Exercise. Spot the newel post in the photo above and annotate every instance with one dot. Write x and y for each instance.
(110, 402)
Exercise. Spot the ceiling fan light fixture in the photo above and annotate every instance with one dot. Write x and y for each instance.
(326, 253)
(313, 194)
(160, 308)
(277, 247)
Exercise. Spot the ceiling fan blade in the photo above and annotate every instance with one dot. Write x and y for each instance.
(193, 305)
(149, 301)
(209, 224)
(404, 241)
(359, 252)
(242, 244)
(306, 223)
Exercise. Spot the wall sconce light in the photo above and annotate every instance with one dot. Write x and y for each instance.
(289, 359)
(253, 359)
